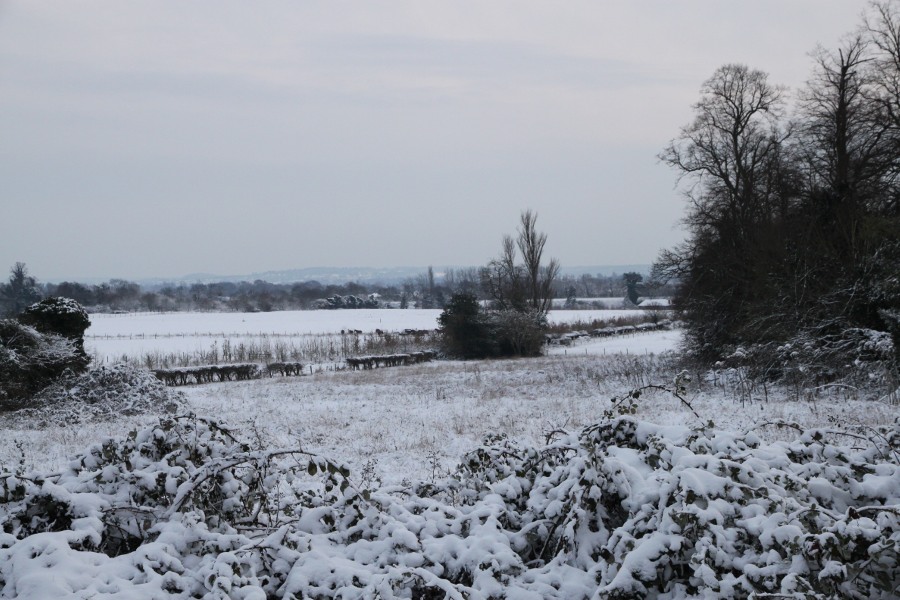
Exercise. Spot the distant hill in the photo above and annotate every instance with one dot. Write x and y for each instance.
(369, 275)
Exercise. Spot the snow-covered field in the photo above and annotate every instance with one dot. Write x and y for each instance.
(111, 337)
(297, 322)
(405, 420)
(538, 513)
(654, 342)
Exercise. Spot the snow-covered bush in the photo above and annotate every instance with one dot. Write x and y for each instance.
(350, 301)
(179, 505)
(852, 356)
(623, 509)
(103, 393)
(30, 361)
(62, 316)
(518, 333)
(653, 511)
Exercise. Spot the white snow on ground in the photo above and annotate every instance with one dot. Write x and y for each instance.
(412, 421)
(408, 418)
(653, 342)
(403, 424)
(655, 302)
(610, 302)
(584, 316)
(617, 511)
(113, 336)
(297, 322)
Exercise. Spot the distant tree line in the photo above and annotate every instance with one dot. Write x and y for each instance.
(429, 290)
(794, 216)
(262, 296)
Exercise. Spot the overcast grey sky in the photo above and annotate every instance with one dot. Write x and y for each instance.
(152, 138)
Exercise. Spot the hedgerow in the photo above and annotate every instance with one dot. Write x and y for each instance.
(101, 394)
(621, 509)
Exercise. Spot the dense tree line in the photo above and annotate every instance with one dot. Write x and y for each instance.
(258, 295)
(119, 295)
(794, 215)
(429, 290)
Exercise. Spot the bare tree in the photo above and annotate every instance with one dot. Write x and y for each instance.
(729, 156)
(466, 280)
(539, 278)
(882, 27)
(502, 278)
(525, 286)
(791, 223)
(846, 140)
(725, 150)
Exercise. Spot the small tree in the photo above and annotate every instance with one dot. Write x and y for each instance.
(503, 280)
(631, 286)
(466, 332)
(571, 300)
(19, 292)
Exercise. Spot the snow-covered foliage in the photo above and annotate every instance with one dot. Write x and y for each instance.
(622, 509)
(30, 360)
(61, 316)
(350, 301)
(103, 393)
(59, 306)
(854, 356)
